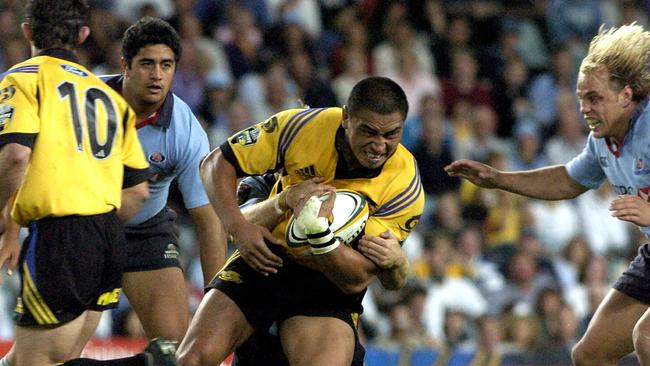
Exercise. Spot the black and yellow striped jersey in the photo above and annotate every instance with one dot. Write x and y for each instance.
(302, 143)
(82, 135)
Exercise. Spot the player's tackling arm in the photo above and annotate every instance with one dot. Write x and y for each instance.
(14, 159)
(386, 252)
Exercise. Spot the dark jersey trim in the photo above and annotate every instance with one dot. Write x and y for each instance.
(133, 176)
(25, 139)
(229, 155)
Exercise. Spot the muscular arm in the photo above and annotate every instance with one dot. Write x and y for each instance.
(213, 241)
(133, 198)
(386, 252)
(14, 159)
(549, 183)
(347, 268)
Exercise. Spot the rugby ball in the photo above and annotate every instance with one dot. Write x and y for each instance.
(349, 217)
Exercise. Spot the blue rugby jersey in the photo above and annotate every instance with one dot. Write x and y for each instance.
(626, 167)
(174, 147)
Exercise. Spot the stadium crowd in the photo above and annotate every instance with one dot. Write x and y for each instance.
(493, 273)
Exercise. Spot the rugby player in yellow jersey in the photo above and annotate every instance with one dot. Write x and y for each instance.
(68, 154)
(316, 306)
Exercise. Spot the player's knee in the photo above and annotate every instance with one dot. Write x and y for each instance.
(198, 354)
(641, 338)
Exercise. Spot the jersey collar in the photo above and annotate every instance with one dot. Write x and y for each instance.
(162, 117)
(61, 53)
(615, 148)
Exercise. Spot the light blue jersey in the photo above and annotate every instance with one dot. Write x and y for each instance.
(174, 143)
(626, 167)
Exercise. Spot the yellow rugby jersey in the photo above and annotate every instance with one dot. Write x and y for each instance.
(302, 142)
(82, 135)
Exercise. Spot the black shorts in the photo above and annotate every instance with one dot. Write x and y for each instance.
(69, 265)
(153, 244)
(294, 290)
(635, 280)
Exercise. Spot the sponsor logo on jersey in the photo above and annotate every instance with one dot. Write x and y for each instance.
(248, 136)
(6, 114)
(640, 168)
(156, 157)
(603, 161)
(171, 252)
(74, 70)
(410, 224)
(308, 171)
(7, 93)
(230, 276)
(644, 193)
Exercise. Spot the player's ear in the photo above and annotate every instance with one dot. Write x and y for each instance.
(84, 32)
(124, 65)
(27, 31)
(625, 96)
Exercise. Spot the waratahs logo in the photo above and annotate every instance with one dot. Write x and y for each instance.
(156, 157)
(640, 168)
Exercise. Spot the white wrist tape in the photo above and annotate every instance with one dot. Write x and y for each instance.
(308, 219)
(323, 242)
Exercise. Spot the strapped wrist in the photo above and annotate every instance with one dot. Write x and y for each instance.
(323, 242)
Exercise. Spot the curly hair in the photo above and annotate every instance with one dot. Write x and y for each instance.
(149, 31)
(56, 24)
(625, 53)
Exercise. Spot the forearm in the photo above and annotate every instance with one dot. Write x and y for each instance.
(213, 241)
(394, 278)
(133, 198)
(14, 159)
(549, 183)
(348, 269)
(266, 213)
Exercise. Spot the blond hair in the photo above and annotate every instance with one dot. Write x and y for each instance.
(624, 52)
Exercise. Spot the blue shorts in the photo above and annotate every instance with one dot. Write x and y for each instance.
(635, 280)
(153, 244)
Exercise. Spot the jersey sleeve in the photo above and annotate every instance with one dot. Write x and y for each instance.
(401, 213)
(255, 150)
(189, 180)
(585, 168)
(133, 157)
(19, 120)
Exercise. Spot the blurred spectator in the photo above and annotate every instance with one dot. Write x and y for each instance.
(303, 12)
(113, 62)
(463, 84)
(522, 333)
(401, 35)
(605, 234)
(414, 79)
(571, 135)
(242, 39)
(485, 140)
(430, 106)
(512, 101)
(312, 90)
(447, 293)
(355, 69)
(545, 217)
(269, 92)
(211, 50)
(527, 153)
(130, 10)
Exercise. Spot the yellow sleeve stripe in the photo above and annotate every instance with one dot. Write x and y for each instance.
(404, 199)
(37, 307)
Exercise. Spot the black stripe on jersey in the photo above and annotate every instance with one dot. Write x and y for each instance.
(135, 176)
(25, 139)
(229, 155)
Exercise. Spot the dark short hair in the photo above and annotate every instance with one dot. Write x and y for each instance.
(150, 31)
(379, 95)
(56, 23)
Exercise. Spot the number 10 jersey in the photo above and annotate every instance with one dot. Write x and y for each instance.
(81, 132)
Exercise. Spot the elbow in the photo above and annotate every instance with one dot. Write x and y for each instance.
(354, 287)
(141, 195)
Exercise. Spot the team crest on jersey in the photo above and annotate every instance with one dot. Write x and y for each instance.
(6, 114)
(171, 252)
(270, 125)
(156, 157)
(7, 93)
(248, 136)
(74, 70)
(640, 168)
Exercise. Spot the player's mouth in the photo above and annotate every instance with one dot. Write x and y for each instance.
(154, 89)
(374, 158)
(593, 124)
